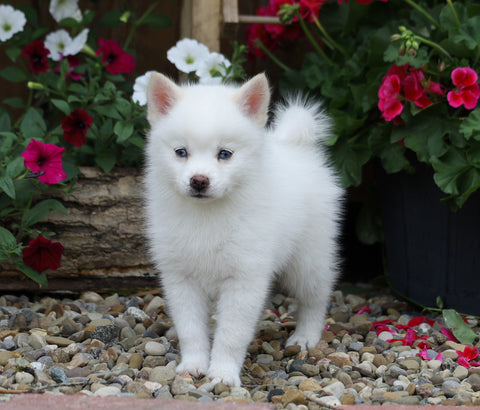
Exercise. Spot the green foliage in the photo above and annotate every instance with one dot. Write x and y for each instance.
(115, 137)
(353, 46)
(459, 328)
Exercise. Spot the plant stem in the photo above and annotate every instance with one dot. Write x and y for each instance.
(413, 4)
(259, 43)
(433, 45)
(328, 37)
(312, 40)
(454, 13)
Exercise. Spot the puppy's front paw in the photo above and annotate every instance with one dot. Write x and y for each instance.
(194, 366)
(305, 342)
(225, 374)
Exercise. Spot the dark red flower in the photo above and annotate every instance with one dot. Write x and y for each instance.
(117, 61)
(42, 254)
(467, 91)
(36, 54)
(46, 160)
(75, 127)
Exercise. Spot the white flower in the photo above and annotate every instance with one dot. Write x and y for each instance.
(60, 44)
(187, 54)
(214, 63)
(62, 9)
(140, 88)
(11, 21)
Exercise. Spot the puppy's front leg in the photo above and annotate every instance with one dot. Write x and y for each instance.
(238, 311)
(189, 311)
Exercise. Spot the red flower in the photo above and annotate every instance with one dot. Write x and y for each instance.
(310, 8)
(37, 54)
(404, 83)
(117, 60)
(41, 254)
(469, 353)
(75, 127)
(46, 160)
(420, 319)
(467, 91)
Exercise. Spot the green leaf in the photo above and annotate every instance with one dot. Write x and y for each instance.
(61, 105)
(123, 130)
(14, 102)
(350, 158)
(439, 302)
(5, 123)
(6, 185)
(469, 32)
(106, 160)
(14, 74)
(471, 125)
(459, 328)
(108, 111)
(41, 210)
(40, 278)
(112, 19)
(13, 53)
(7, 240)
(33, 125)
(157, 20)
(15, 167)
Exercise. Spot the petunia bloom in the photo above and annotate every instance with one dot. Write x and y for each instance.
(46, 160)
(62, 9)
(140, 88)
(208, 68)
(12, 21)
(61, 44)
(309, 9)
(187, 55)
(75, 127)
(36, 54)
(467, 90)
(117, 61)
(42, 254)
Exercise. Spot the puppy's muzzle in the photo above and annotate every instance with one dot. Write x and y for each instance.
(199, 184)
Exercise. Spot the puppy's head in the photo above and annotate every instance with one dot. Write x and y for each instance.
(206, 140)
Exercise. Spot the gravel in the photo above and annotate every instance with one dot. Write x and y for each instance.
(126, 346)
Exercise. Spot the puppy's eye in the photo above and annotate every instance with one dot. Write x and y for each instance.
(181, 152)
(224, 154)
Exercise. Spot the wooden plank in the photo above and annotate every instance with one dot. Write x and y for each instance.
(201, 19)
(230, 11)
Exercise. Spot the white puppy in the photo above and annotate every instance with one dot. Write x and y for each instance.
(230, 205)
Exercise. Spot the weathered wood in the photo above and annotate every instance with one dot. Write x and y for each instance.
(201, 20)
(102, 234)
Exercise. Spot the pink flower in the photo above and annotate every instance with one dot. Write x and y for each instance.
(42, 254)
(117, 61)
(420, 319)
(46, 160)
(364, 309)
(467, 90)
(468, 353)
(309, 9)
(389, 96)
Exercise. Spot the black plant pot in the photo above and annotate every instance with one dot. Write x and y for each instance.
(431, 251)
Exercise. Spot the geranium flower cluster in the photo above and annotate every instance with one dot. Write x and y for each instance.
(74, 89)
(406, 83)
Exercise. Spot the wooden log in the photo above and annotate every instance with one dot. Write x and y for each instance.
(102, 234)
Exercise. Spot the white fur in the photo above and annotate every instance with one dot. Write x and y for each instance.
(271, 209)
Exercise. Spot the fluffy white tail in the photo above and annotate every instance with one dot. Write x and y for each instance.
(301, 122)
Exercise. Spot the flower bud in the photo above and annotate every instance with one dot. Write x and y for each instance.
(35, 86)
(395, 37)
(125, 16)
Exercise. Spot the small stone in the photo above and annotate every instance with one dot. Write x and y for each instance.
(58, 374)
(5, 356)
(155, 349)
(220, 388)
(310, 369)
(409, 364)
(106, 391)
(58, 340)
(91, 297)
(460, 372)
(181, 386)
(162, 374)
(138, 314)
(112, 300)
(347, 399)
(451, 387)
(275, 393)
(309, 385)
(336, 389)
(157, 304)
(293, 396)
(340, 359)
(135, 361)
(291, 350)
(24, 377)
(330, 401)
(106, 334)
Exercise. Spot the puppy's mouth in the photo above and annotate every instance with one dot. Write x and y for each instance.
(200, 195)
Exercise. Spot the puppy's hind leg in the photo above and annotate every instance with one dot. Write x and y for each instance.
(310, 278)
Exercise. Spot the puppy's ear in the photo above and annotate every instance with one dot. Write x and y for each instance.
(162, 95)
(254, 97)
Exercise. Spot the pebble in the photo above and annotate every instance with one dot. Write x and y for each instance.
(117, 345)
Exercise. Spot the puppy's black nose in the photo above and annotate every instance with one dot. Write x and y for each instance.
(199, 183)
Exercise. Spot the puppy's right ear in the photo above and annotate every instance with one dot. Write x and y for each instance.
(162, 95)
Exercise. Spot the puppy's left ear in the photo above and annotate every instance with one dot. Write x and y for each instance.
(254, 97)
